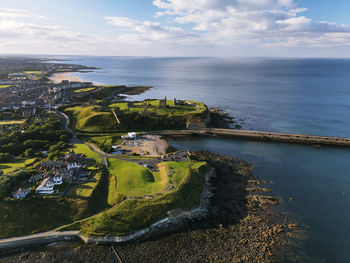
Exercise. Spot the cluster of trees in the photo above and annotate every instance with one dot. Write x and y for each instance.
(35, 137)
(10, 180)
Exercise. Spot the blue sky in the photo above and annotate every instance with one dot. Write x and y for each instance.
(176, 27)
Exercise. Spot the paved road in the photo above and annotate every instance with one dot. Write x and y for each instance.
(65, 119)
(40, 238)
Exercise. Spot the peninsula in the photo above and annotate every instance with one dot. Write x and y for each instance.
(95, 168)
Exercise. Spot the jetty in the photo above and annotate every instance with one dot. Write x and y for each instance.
(259, 136)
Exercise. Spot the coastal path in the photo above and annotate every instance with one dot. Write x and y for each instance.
(46, 238)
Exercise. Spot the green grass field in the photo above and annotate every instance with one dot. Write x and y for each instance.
(18, 163)
(33, 72)
(170, 110)
(64, 70)
(12, 122)
(84, 149)
(4, 86)
(85, 190)
(84, 90)
(89, 119)
(35, 215)
(133, 179)
(130, 215)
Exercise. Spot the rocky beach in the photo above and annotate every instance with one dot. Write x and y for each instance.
(239, 226)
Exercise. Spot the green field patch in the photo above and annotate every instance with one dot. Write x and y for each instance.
(85, 190)
(6, 86)
(33, 72)
(80, 148)
(34, 215)
(91, 119)
(11, 122)
(84, 90)
(18, 163)
(154, 107)
(64, 70)
(133, 179)
(131, 215)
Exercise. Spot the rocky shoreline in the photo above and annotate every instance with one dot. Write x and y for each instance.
(222, 119)
(238, 226)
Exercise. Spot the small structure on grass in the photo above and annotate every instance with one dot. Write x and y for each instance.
(21, 193)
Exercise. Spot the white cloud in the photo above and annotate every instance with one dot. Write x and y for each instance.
(15, 13)
(183, 27)
(149, 31)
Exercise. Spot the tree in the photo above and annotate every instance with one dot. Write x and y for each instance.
(5, 157)
(29, 152)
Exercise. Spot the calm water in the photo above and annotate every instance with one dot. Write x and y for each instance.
(304, 96)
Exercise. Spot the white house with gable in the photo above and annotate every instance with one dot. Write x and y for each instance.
(46, 186)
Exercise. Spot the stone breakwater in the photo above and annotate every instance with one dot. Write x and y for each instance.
(260, 136)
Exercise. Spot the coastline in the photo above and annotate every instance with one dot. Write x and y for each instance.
(58, 77)
(236, 224)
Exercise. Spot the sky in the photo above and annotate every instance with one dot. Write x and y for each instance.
(165, 28)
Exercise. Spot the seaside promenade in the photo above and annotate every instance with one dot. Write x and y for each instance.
(259, 136)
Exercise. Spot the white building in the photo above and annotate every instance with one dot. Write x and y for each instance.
(132, 135)
(46, 186)
(73, 165)
(57, 180)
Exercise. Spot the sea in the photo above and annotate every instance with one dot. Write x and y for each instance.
(307, 96)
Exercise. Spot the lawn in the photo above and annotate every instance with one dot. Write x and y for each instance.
(91, 119)
(84, 90)
(133, 179)
(10, 122)
(18, 163)
(170, 110)
(84, 149)
(33, 72)
(64, 70)
(131, 215)
(35, 215)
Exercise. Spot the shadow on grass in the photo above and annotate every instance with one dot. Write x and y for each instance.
(227, 205)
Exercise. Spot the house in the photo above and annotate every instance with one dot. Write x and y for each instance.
(57, 180)
(52, 164)
(21, 193)
(35, 178)
(73, 165)
(46, 186)
(70, 157)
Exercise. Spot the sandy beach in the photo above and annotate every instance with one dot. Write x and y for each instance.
(58, 77)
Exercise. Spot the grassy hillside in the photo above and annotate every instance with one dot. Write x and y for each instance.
(39, 214)
(91, 119)
(130, 215)
(84, 149)
(15, 164)
(133, 179)
(145, 115)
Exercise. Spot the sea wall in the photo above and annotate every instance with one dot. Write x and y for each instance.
(260, 136)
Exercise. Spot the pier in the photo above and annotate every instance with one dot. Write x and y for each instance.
(260, 136)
